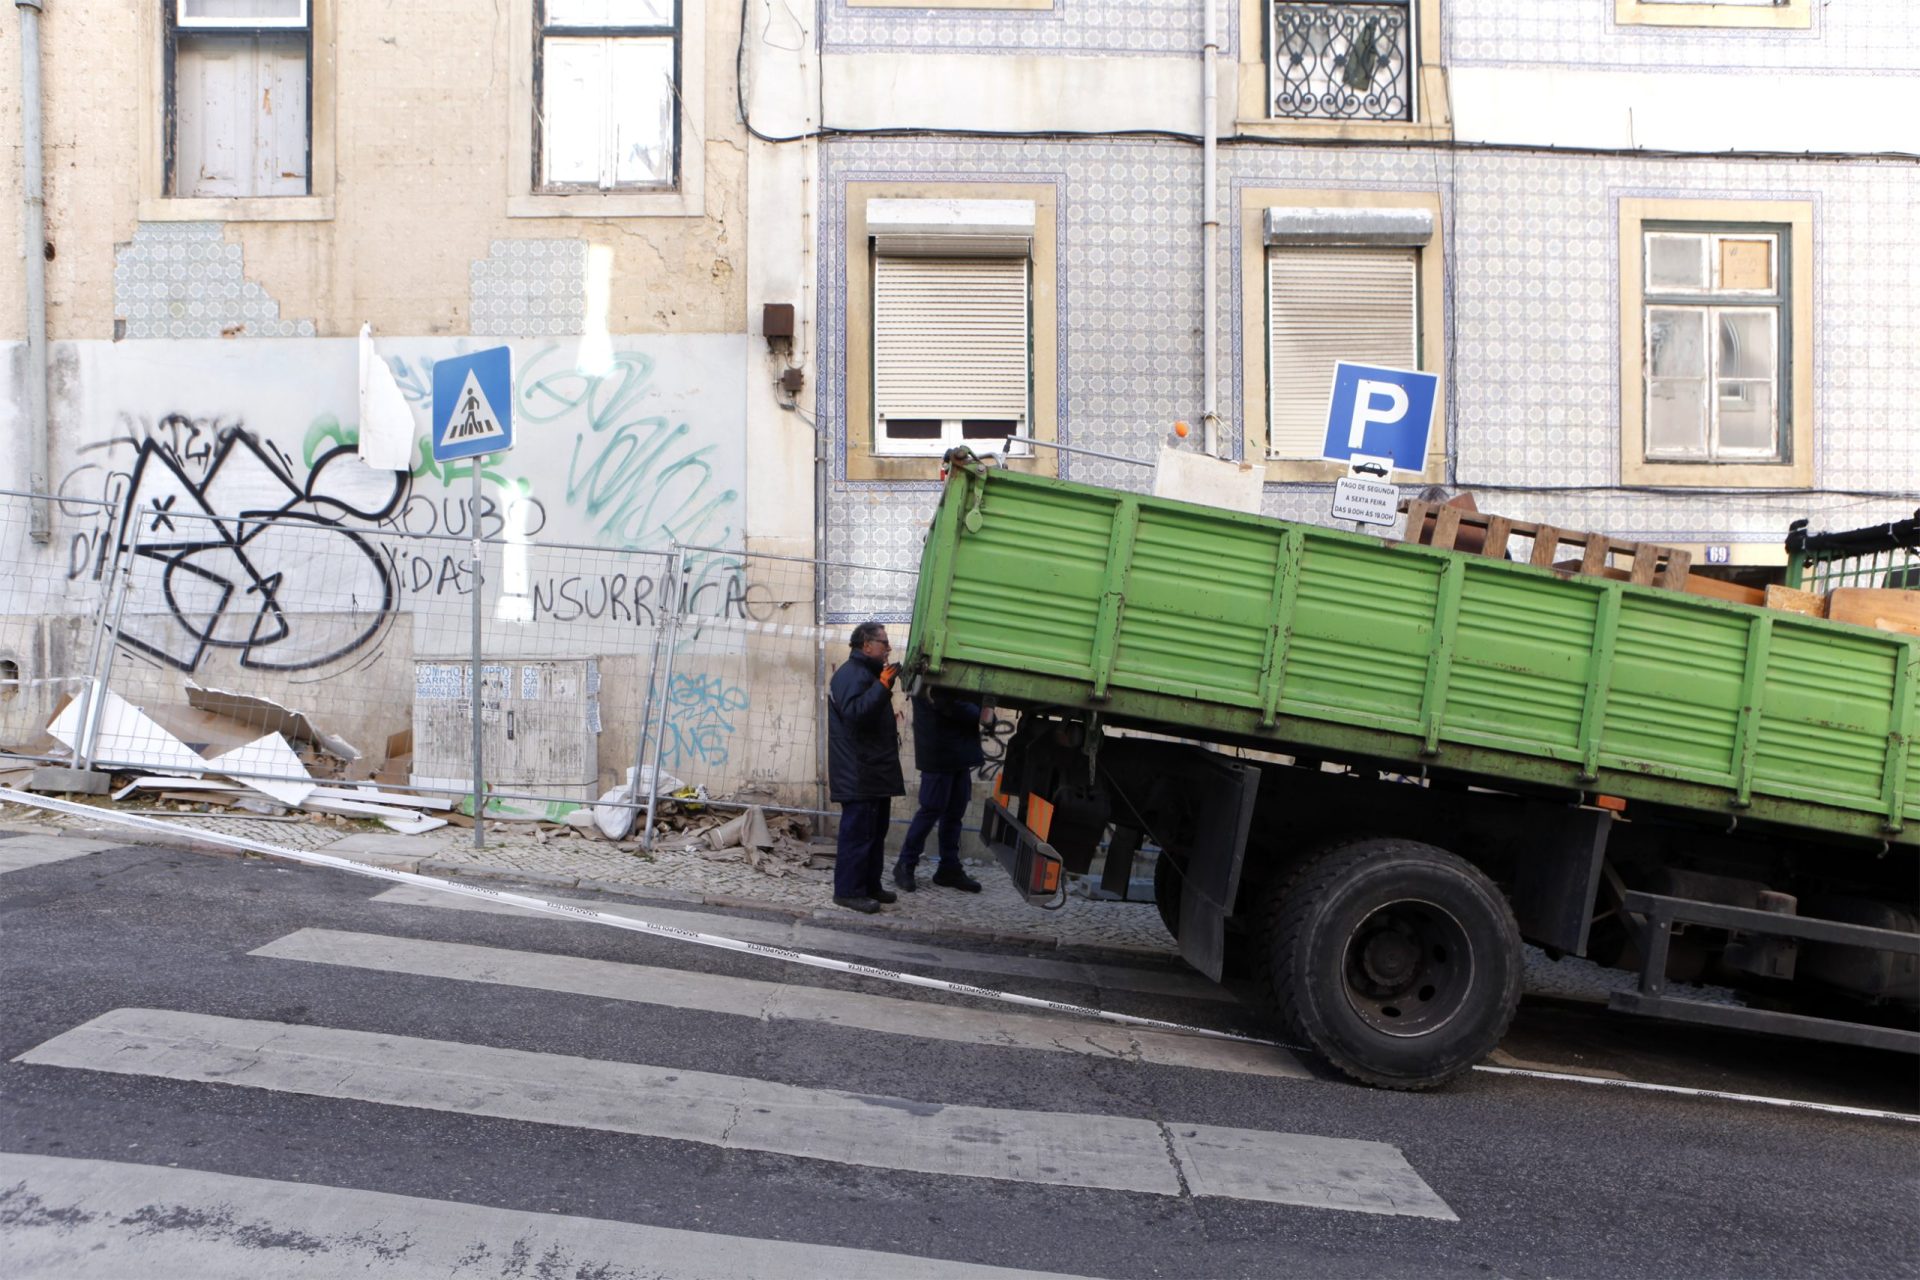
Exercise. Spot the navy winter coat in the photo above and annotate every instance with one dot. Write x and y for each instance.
(946, 734)
(863, 742)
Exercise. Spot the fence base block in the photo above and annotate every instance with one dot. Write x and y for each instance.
(59, 779)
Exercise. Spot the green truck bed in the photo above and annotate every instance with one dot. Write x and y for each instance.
(1229, 627)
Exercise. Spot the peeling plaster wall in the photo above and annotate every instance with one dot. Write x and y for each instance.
(422, 158)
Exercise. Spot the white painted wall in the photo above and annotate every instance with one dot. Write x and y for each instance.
(1663, 110)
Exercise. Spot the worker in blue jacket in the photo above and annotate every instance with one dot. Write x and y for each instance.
(946, 750)
(863, 767)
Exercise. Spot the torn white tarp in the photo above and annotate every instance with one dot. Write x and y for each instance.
(126, 736)
(277, 770)
(170, 783)
(405, 821)
(386, 420)
(267, 715)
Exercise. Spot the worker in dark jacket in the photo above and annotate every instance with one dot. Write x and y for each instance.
(863, 766)
(946, 750)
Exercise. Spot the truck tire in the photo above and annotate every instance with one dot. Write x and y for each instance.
(1397, 961)
(1166, 892)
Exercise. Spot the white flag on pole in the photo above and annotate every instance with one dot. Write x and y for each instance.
(386, 420)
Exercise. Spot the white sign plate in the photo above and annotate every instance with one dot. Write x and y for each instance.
(1366, 501)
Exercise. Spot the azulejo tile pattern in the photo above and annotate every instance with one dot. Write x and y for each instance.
(529, 289)
(184, 280)
(1086, 27)
(1853, 37)
(1532, 319)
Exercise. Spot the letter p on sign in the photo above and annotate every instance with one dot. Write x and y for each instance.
(1384, 413)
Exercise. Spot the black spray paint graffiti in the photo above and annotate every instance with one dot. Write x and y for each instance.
(295, 592)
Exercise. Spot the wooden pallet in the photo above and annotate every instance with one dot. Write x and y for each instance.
(1645, 563)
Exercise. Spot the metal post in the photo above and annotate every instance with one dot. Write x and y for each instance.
(90, 731)
(33, 235)
(641, 731)
(677, 589)
(479, 611)
(83, 753)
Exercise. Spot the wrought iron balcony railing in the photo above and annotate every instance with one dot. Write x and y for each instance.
(1338, 60)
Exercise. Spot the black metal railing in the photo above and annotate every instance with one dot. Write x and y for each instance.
(1332, 60)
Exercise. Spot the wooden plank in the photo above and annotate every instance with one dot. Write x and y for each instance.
(1499, 530)
(1446, 527)
(1794, 600)
(1715, 589)
(1887, 608)
(1546, 544)
(1416, 521)
(1595, 559)
(1674, 576)
(1645, 557)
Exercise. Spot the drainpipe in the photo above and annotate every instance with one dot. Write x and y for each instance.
(1209, 230)
(33, 210)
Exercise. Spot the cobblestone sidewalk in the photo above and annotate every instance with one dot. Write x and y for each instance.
(722, 879)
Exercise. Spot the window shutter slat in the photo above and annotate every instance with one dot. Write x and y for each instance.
(950, 338)
(1324, 306)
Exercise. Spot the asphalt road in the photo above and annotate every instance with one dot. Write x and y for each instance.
(216, 1066)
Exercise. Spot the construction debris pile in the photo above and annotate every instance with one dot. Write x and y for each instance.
(249, 757)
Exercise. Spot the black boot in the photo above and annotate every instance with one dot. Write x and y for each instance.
(866, 906)
(903, 880)
(956, 880)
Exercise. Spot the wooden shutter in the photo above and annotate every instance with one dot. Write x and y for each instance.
(950, 337)
(1324, 306)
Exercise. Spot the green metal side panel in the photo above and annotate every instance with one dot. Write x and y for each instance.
(1216, 623)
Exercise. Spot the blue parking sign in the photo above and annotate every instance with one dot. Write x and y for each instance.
(1383, 413)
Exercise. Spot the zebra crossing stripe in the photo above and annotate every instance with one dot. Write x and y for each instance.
(768, 1001)
(105, 1220)
(21, 852)
(1094, 1152)
(633, 924)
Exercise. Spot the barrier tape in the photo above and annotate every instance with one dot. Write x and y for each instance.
(572, 912)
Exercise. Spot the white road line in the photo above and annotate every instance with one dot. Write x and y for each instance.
(1115, 1153)
(753, 998)
(888, 951)
(17, 853)
(1685, 1091)
(103, 1220)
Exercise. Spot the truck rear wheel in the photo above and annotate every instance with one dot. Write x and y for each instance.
(1396, 960)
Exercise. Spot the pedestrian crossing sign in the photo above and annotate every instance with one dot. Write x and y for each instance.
(473, 404)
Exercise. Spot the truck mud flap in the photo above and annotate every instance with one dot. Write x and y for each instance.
(1226, 791)
(1037, 871)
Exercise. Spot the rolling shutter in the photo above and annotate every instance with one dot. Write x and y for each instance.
(1324, 306)
(950, 337)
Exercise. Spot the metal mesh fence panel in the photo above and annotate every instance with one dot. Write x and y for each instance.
(355, 645)
(51, 626)
(741, 682)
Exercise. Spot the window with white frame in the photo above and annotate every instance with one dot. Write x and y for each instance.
(239, 98)
(1340, 59)
(1325, 304)
(1715, 324)
(606, 95)
(952, 324)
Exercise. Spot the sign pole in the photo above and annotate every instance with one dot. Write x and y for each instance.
(479, 783)
(473, 417)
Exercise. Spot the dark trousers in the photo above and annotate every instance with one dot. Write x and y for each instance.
(943, 801)
(861, 851)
